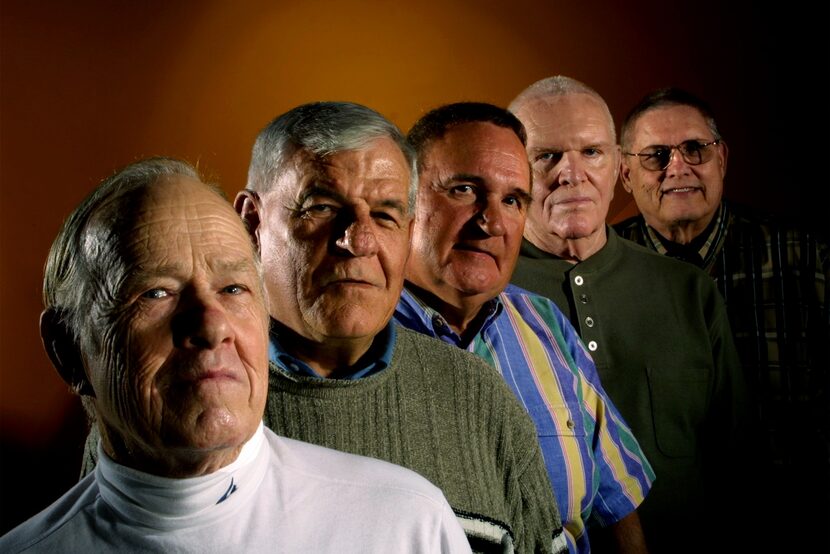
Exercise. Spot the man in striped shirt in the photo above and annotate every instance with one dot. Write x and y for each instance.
(773, 276)
(474, 188)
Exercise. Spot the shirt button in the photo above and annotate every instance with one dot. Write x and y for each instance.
(589, 321)
(438, 321)
(570, 424)
(583, 298)
(579, 280)
(592, 346)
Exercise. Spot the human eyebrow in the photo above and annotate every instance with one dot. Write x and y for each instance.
(239, 265)
(524, 196)
(462, 178)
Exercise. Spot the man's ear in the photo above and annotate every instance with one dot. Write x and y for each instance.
(64, 352)
(625, 174)
(724, 156)
(248, 205)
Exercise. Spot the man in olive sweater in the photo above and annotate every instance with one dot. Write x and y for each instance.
(329, 205)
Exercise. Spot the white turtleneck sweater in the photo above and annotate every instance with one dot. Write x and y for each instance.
(279, 495)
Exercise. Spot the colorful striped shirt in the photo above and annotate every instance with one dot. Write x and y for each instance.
(595, 464)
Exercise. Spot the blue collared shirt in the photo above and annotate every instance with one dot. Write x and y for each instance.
(375, 360)
(594, 462)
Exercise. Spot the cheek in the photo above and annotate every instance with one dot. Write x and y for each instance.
(515, 228)
(144, 376)
(393, 253)
(644, 184)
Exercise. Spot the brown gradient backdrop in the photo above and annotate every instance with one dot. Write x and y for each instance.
(90, 86)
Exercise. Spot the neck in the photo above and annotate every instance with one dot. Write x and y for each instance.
(460, 312)
(326, 355)
(681, 232)
(573, 250)
(173, 462)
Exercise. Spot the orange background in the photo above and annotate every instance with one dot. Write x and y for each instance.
(88, 86)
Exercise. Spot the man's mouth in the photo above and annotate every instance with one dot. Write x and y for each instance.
(680, 190)
(473, 250)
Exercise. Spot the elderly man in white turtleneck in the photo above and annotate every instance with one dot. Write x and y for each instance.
(155, 316)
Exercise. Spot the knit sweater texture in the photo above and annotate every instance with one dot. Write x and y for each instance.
(447, 415)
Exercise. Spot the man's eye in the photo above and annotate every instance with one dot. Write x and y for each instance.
(155, 294)
(234, 289)
(592, 152)
(549, 157)
(512, 201)
(385, 216)
(656, 153)
(462, 190)
(692, 146)
(319, 209)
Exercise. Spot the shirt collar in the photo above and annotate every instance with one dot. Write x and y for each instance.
(375, 360)
(702, 250)
(415, 314)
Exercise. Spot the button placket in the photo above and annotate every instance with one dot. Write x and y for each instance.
(579, 284)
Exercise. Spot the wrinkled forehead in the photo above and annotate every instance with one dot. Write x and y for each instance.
(165, 224)
(564, 117)
(670, 125)
(378, 168)
(478, 150)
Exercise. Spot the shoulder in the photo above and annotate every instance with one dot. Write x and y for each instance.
(457, 379)
(413, 347)
(330, 468)
(629, 225)
(532, 307)
(794, 242)
(60, 519)
(649, 261)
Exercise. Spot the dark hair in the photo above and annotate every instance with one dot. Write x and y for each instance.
(669, 96)
(435, 123)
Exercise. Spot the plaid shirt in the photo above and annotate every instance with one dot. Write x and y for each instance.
(773, 278)
(595, 464)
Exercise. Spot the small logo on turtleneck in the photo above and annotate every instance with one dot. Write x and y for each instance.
(228, 493)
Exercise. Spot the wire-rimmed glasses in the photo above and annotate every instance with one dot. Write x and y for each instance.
(658, 157)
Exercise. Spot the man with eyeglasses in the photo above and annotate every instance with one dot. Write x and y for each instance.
(656, 327)
(772, 274)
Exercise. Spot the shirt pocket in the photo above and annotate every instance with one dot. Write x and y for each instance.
(679, 401)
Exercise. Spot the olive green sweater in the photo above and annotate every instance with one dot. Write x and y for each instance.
(449, 416)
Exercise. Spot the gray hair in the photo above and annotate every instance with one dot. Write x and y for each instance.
(670, 96)
(560, 85)
(322, 129)
(75, 271)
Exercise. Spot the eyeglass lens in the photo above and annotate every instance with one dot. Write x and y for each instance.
(693, 152)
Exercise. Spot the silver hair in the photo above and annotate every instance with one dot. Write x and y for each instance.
(76, 270)
(560, 85)
(322, 129)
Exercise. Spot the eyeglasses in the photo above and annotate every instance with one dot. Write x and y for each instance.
(658, 157)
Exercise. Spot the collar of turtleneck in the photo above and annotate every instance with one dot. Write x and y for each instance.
(167, 504)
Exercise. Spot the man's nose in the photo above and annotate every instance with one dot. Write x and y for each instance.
(570, 169)
(359, 238)
(677, 164)
(491, 218)
(203, 323)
